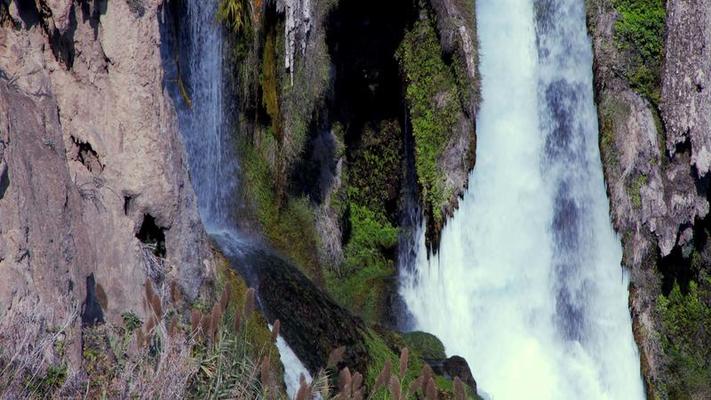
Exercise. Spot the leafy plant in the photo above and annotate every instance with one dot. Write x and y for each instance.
(639, 31)
(433, 101)
(686, 340)
(235, 14)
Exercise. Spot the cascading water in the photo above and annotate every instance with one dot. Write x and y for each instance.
(210, 145)
(527, 283)
(213, 164)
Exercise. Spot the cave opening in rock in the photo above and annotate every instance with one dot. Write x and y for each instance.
(152, 236)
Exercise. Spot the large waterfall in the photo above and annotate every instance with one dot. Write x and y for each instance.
(210, 144)
(527, 283)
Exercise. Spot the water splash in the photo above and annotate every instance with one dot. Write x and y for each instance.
(527, 284)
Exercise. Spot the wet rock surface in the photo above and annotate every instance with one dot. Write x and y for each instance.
(312, 323)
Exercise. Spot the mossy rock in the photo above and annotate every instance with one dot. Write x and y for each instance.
(426, 344)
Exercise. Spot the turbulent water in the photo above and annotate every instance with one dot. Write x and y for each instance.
(527, 283)
(209, 141)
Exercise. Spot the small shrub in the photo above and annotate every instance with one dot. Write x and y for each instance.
(639, 32)
(686, 341)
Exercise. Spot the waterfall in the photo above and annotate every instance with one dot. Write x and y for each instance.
(207, 135)
(527, 284)
(209, 139)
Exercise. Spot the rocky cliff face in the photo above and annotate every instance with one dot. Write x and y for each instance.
(94, 177)
(655, 160)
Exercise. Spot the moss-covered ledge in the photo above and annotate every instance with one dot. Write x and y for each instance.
(443, 131)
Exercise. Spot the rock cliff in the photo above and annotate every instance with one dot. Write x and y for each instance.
(654, 143)
(95, 196)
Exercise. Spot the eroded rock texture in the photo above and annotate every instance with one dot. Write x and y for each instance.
(686, 84)
(89, 154)
(654, 159)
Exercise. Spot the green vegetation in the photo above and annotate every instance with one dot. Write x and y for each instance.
(44, 386)
(635, 190)
(364, 280)
(289, 227)
(639, 32)
(613, 115)
(426, 344)
(686, 340)
(269, 77)
(235, 14)
(434, 105)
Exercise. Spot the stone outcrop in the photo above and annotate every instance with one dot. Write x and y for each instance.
(652, 168)
(686, 80)
(91, 157)
(297, 26)
(311, 322)
(456, 25)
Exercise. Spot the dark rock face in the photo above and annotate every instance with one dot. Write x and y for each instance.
(454, 367)
(311, 322)
(91, 313)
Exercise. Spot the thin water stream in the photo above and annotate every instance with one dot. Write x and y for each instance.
(208, 136)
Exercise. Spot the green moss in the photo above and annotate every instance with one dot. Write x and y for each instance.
(374, 169)
(613, 115)
(426, 344)
(131, 322)
(686, 341)
(635, 189)
(387, 346)
(433, 104)
(45, 386)
(363, 283)
(639, 31)
(268, 78)
(290, 227)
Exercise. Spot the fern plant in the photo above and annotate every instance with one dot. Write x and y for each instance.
(235, 14)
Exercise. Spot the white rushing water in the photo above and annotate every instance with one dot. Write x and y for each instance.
(527, 284)
(213, 162)
(210, 145)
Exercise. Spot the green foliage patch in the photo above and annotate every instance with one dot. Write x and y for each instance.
(432, 96)
(372, 188)
(426, 344)
(635, 190)
(290, 227)
(639, 32)
(686, 340)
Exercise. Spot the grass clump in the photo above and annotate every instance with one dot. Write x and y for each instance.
(45, 386)
(433, 100)
(639, 32)
(686, 341)
(635, 190)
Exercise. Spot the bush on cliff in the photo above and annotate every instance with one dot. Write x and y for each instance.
(686, 340)
(639, 31)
